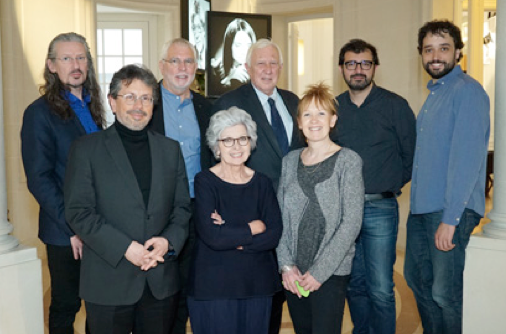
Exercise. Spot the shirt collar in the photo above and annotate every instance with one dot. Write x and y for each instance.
(74, 99)
(264, 97)
(446, 79)
(168, 93)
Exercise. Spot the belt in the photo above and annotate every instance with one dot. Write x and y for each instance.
(375, 197)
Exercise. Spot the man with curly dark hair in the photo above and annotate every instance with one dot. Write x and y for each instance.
(70, 107)
(448, 182)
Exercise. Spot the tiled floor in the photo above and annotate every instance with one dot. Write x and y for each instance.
(408, 320)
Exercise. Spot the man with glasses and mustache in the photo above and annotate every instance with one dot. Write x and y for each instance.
(70, 107)
(126, 196)
(448, 183)
(380, 126)
(183, 115)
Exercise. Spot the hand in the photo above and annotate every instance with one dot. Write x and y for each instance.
(217, 218)
(444, 237)
(77, 247)
(160, 247)
(308, 282)
(289, 278)
(135, 253)
(257, 227)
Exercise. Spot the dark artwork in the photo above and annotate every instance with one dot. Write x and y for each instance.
(229, 38)
(193, 26)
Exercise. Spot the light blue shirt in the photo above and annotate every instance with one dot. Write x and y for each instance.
(283, 111)
(181, 124)
(449, 167)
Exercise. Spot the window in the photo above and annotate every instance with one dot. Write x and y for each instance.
(121, 40)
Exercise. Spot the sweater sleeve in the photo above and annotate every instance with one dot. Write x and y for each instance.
(217, 237)
(283, 252)
(271, 217)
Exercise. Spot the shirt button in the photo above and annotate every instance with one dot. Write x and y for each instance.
(458, 219)
(181, 143)
(421, 129)
(180, 126)
(432, 93)
(425, 111)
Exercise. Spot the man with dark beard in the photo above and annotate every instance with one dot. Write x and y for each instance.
(70, 107)
(448, 187)
(380, 126)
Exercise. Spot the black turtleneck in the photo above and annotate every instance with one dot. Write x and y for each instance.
(136, 145)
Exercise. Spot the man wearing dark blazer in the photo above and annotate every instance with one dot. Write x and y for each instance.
(70, 107)
(275, 112)
(126, 196)
(183, 115)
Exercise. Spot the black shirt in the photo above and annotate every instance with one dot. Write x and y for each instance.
(383, 132)
(136, 145)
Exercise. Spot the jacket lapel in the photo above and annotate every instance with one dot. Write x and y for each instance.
(263, 125)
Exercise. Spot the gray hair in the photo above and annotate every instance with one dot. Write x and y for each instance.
(53, 87)
(260, 44)
(129, 73)
(226, 118)
(180, 41)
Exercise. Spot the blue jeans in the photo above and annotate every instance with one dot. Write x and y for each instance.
(371, 296)
(436, 277)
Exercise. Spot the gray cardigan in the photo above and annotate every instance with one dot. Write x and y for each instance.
(341, 198)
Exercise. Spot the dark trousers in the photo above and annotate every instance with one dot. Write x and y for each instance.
(184, 261)
(230, 316)
(322, 311)
(148, 316)
(65, 301)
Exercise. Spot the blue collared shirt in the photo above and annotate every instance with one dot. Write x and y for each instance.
(181, 124)
(283, 111)
(80, 108)
(449, 167)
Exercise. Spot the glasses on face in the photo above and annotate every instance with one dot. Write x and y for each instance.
(70, 60)
(229, 141)
(131, 99)
(364, 64)
(177, 61)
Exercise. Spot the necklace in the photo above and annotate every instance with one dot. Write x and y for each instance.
(307, 168)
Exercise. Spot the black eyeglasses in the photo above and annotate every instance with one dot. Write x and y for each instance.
(229, 141)
(364, 64)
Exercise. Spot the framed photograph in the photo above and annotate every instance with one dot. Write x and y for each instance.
(229, 37)
(193, 26)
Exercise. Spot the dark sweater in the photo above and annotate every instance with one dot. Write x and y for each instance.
(219, 270)
(136, 145)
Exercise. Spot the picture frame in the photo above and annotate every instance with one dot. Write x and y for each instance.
(193, 27)
(228, 40)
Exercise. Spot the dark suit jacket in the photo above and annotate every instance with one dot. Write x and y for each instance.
(104, 205)
(267, 156)
(202, 111)
(45, 143)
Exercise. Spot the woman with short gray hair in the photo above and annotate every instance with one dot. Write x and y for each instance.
(238, 225)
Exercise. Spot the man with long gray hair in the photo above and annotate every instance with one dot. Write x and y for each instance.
(70, 107)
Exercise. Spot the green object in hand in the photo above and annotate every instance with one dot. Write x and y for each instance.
(304, 293)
